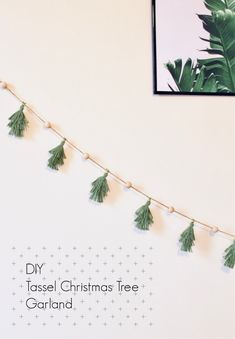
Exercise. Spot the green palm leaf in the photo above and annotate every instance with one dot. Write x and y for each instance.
(216, 5)
(221, 26)
(189, 78)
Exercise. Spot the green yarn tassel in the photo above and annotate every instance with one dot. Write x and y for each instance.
(18, 123)
(229, 256)
(57, 156)
(144, 217)
(187, 238)
(100, 188)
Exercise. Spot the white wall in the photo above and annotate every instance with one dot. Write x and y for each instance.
(86, 66)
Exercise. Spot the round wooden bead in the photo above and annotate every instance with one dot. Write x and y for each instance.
(214, 229)
(171, 209)
(86, 156)
(3, 85)
(128, 184)
(47, 124)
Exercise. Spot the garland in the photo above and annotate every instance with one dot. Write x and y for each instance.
(99, 188)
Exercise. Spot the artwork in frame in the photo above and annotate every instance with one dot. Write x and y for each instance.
(193, 47)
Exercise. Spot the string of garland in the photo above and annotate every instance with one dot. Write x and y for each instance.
(100, 188)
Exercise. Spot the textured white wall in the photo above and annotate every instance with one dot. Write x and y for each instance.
(86, 66)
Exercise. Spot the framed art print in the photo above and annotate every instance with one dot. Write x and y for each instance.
(193, 47)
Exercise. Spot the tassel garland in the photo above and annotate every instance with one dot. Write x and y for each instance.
(144, 217)
(187, 238)
(18, 123)
(229, 256)
(100, 188)
(57, 156)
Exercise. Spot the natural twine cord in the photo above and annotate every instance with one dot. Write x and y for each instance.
(118, 178)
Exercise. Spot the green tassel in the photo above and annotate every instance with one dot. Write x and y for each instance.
(187, 238)
(144, 217)
(57, 156)
(100, 188)
(18, 122)
(229, 256)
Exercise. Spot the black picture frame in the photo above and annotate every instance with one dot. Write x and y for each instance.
(154, 62)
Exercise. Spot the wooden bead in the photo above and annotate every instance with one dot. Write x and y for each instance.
(86, 156)
(47, 124)
(214, 229)
(171, 209)
(3, 85)
(128, 184)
